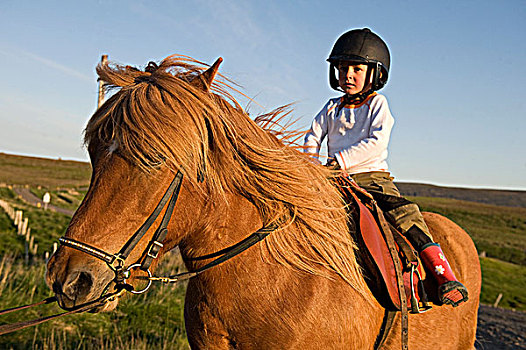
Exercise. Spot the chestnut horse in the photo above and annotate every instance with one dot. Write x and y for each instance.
(299, 288)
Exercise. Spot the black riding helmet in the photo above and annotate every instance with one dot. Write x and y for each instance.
(363, 46)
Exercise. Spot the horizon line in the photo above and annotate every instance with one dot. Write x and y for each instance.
(421, 182)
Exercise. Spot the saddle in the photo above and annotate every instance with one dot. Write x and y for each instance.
(389, 254)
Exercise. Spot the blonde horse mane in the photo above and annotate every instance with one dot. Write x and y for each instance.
(161, 118)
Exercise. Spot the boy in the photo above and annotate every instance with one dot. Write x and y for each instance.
(358, 126)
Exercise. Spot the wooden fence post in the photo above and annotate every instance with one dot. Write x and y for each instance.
(24, 227)
(499, 297)
(18, 217)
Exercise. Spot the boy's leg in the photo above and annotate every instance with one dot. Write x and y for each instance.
(402, 213)
(450, 290)
(406, 216)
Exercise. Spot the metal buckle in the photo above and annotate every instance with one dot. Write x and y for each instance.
(117, 263)
(154, 243)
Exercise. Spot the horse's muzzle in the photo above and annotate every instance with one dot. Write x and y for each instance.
(74, 284)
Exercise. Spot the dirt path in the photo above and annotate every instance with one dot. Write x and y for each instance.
(30, 198)
(500, 329)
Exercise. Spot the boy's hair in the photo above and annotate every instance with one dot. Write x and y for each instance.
(365, 47)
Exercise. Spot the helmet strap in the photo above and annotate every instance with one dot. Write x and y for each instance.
(362, 95)
(333, 80)
(376, 77)
(356, 98)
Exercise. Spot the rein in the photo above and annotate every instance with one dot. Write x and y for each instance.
(9, 328)
(116, 261)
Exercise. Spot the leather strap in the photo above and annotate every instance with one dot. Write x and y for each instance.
(88, 249)
(116, 261)
(8, 328)
(222, 255)
(173, 192)
(387, 324)
(399, 279)
(45, 301)
(155, 244)
(407, 250)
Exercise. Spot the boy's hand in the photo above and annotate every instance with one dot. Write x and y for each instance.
(333, 165)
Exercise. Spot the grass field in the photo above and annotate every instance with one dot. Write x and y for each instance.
(155, 320)
(499, 231)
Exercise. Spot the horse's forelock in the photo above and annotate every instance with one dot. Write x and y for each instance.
(154, 116)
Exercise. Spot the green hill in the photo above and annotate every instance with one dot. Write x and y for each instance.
(50, 173)
(506, 198)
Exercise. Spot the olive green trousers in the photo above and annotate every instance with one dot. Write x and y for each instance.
(401, 212)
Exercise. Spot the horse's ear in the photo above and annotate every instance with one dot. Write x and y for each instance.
(204, 81)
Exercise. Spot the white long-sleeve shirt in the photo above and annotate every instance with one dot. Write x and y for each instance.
(357, 135)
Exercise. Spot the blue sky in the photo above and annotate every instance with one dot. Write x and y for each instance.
(456, 87)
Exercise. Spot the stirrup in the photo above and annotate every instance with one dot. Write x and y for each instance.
(452, 293)
(416, 307)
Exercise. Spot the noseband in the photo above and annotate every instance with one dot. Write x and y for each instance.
(116, 261)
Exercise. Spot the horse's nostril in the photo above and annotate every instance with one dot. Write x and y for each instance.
(57, 287)
(78, 285)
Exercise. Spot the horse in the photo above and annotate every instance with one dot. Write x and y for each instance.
(300, 287)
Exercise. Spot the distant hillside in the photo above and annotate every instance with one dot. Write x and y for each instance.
(50, 173)
(495, 197)
(53, 173)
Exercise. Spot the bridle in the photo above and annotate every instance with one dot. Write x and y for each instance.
(116, 262)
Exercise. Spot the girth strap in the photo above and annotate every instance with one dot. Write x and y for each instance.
(387, 324)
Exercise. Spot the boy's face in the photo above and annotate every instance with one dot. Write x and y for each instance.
(351, 77)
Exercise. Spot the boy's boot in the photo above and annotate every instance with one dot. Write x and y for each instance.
(450, 290)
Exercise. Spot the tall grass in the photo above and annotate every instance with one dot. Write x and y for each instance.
(502, 277)
(153, 320)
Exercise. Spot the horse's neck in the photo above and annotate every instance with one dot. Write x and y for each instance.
(223, 222)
